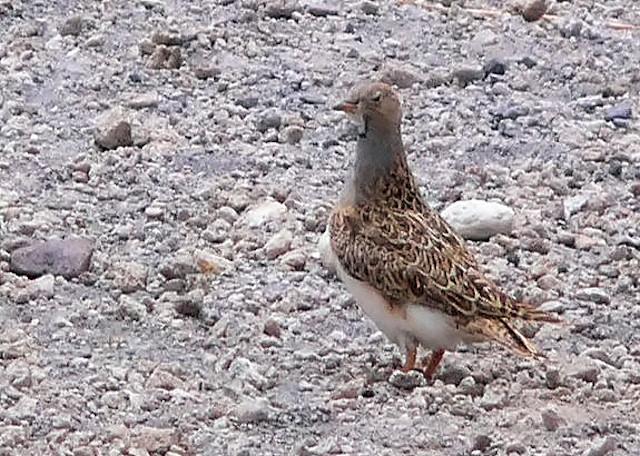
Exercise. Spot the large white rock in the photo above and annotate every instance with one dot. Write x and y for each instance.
(479, 220)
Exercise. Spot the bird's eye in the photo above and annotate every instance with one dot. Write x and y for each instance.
(376, 97)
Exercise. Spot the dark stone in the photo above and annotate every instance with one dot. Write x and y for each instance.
(495, 66)
(248, 102)
(369, 8)
(619, 111)
(205, 72)
(322, 9)
(72, 26)
(511, 111)
(281, 9)
(189, 308)
(68, 258)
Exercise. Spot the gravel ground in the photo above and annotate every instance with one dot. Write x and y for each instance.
(191, 143)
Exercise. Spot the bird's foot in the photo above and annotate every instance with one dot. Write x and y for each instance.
(432, 364)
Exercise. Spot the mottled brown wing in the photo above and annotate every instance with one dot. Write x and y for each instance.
(407, 260)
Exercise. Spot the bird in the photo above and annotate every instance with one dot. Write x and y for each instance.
(406, 267)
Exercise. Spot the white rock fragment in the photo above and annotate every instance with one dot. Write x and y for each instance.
(264, 213)
(278, 244)
(252, 411)
(479, 220)
(210, 263)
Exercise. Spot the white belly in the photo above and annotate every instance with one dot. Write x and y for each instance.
(429, 327)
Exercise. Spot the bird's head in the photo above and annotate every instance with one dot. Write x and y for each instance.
(373, 105)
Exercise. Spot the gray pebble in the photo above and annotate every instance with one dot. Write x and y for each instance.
(407, 380)
(466, 75)
(113, 130)
(602, 447)
(271, 118)
(68, 258)
(252, 411)
(551, 420)
(620, 111)
(368, 7)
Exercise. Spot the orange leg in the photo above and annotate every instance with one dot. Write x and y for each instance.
(410, 363)
(434, 362)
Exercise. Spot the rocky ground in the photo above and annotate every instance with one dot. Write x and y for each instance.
(186, 152)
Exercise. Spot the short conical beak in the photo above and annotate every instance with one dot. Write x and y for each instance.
(346, 106)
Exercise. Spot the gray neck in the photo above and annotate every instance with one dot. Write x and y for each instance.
(379, 153)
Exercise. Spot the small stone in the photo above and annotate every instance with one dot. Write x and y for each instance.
(272, 328)
(294, 260)
(95, 41)
(575, 204)
(281, 9)
(42, 287)
(72, 26)
(293, 134)
(596, 295)
(264, 213)
(147, 100)
(278, 244)
(153, 440)
(614, 90)
(168, 38)
(582, 242)
(162, 379)
(163, 57)
(248, 102)
(479, 220)
(68, 258)
(321, 9)
(619, 111)
(252, 411)
(131, 277)
(585, 371)
(603, 447)
(466, 75)
(271, 118)
(538, 245)
(534, 10)
(551, 420)
(436, 78)
(549, 282)
(401, 77)
(154, 212)
(407, 380)
(552, 378)
(481, 442)
(206, 72)
(571, 28)
(469, 387)
(453, 374)
(131, 308)
(368, 7)
(113, 130)
(606, 395)
(190, 305)
(510, 111)
(492, 399)
(210, 263)
(178, 267)
(495, 66)
(515, 448)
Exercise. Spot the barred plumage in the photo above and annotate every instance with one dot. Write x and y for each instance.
(393, 249)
